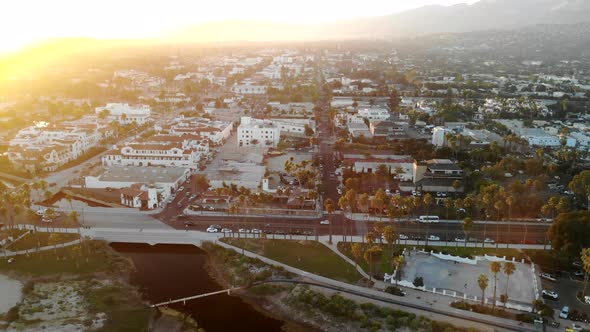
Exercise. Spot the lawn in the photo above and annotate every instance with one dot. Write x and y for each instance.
(94, 256)
(30, 241)
(309, 256)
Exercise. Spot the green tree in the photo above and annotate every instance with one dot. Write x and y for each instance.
(585, 256)
(398, 263)
(390, 235)
(570, 233)
(482, 282)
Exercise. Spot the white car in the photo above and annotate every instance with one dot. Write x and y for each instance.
(547, 276)
(45, 219)
(433, 238)
(488, 240)
(339, 191)
(565, 312)
(550, 294)
(212, 229)
(226, 230)
(243, 230)
(325, 222)
(577, 327)
(403, 237)
(255, 231)
(40, 212)
(181, 188)
(459, 239)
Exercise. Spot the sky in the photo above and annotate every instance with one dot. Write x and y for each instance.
(23, 22)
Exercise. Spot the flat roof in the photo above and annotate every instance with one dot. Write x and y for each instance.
(142, 174)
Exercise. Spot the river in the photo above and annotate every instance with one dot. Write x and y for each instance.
(166, 272)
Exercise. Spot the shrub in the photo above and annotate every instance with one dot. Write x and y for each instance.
(394, 291)
(525, 318)
(418, 282)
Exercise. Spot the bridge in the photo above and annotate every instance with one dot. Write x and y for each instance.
(184, 299)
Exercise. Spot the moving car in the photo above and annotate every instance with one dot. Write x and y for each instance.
(212, 229)
(325, 222)
(551, 295)
(547, 276)
(565, 312)
(433, 238)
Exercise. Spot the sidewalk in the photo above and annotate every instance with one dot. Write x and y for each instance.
(367, 217)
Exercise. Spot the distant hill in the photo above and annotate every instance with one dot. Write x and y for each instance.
(480, 16)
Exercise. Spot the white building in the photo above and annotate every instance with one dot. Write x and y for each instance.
(216, 131)
(165, 180)
(249, 89)
(293, 126)
(140, 196)
(255, 132)
(439, 136)
(125, 114)
(168, 154)
(374, 113)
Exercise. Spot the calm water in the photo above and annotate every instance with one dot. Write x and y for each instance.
(174, 271)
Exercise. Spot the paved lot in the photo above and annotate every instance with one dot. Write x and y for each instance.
(462, 278)
(277, 164)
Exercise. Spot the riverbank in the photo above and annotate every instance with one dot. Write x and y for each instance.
(222, 266)
(75, 289)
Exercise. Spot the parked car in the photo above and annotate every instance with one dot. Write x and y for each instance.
(488, 240)
(459, 239)
(181, 188)
(226, 230)
(179, 205)
(433, 238)
(579, 274)
(255, 231)
(551, 295)
(40, 212)
(547, 276)
(565, 312)
(339, 191)
(47, 220)
(403, 237)
(325, 222)
(577, 327)
(243, 230)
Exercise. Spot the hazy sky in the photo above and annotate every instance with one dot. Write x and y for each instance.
(26, 21)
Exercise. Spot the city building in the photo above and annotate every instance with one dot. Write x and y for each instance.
(255, 132)
(125, 114)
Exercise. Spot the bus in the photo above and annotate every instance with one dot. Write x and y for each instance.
(428, 219)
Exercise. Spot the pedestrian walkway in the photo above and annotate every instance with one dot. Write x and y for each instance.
(416, 301)
(8, 253)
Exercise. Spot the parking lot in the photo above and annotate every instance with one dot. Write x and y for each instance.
(462, 278)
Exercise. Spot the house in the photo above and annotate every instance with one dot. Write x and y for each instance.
(435, 176)
(374, 113)
(249, 89)
(140, 196)
(386, 129)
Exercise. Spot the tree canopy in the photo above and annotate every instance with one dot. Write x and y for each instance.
(571, 232)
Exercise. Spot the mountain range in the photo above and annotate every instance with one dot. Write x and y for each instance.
(479, 16)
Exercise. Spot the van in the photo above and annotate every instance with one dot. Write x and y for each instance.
(427, 219)
(565, 312)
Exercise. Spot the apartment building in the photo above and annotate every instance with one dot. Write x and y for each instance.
(255, 132)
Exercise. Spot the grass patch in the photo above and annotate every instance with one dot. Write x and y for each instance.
(94, 256)
(123, 307)
(309, 256)
(31, 241)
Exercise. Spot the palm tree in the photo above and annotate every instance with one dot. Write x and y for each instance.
(428, 200)
(467, 226)
(482, 282)
(495, 267)
(357, 252)
(398, 262)
(585, 256)
(509, 269)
